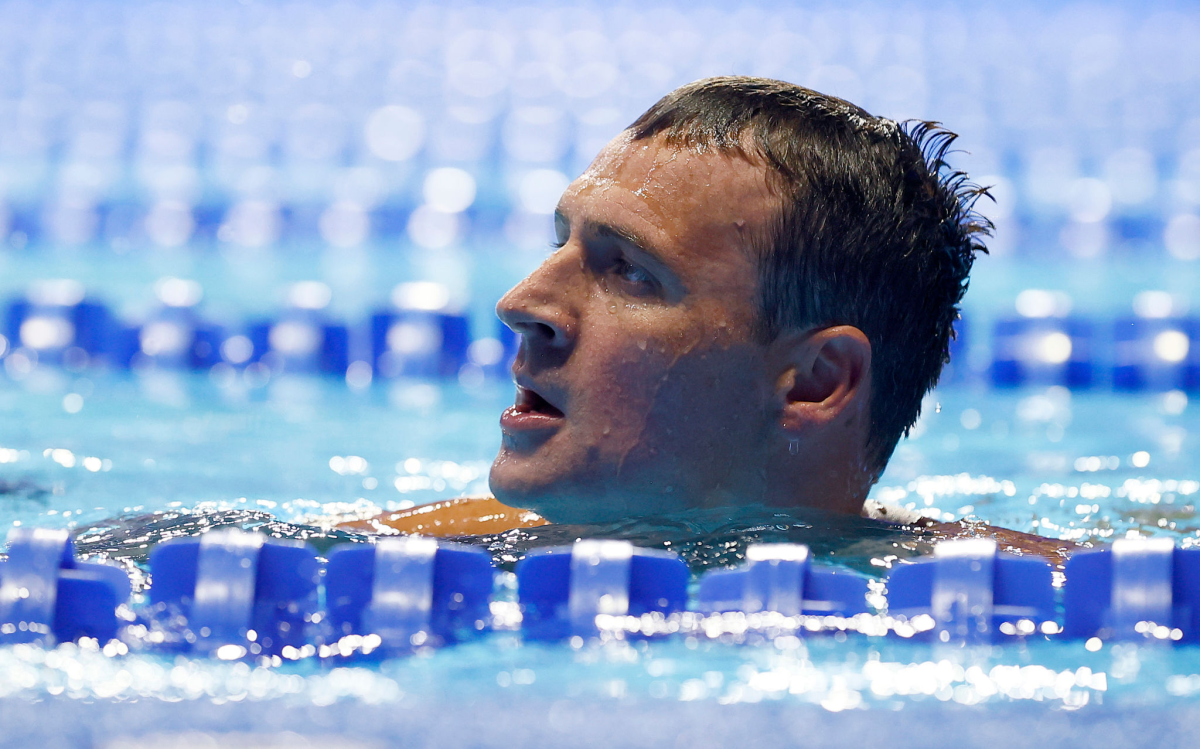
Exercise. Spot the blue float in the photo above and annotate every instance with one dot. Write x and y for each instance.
(409, 591)
(1042, 351)
(422, 335)
(1156, 354)
(780, 578)
(236, 588)
(56, 321)
(972, 592)
(46, 596)
(564, 589)
(207, 339)
(167, 338)
(1140, 588)
(304, 339)
(174, 335)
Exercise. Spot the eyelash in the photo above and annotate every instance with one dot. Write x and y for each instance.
(626, 269)
(622, 268)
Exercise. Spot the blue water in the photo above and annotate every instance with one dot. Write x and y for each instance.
(252, 145)
(1041, 460)
(305, 450)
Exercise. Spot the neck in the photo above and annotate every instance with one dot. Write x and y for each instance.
(824, 477)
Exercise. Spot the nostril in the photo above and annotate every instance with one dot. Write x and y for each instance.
(536, 324)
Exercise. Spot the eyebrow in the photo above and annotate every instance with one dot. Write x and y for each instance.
(609, 231)
(627, 236)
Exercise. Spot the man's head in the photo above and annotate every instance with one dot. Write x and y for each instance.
(756, 286)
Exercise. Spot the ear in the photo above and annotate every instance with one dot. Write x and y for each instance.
(824, 375)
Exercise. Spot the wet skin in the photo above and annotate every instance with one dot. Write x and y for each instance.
(633, 330)
(643, 389)
(483, 519)
(644, 393)
(647, 406)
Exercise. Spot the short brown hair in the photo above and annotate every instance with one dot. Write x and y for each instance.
(875, 230)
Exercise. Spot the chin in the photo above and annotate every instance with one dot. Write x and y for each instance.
(558, 499)
(516, 483)
(563, 500)
(555, 487)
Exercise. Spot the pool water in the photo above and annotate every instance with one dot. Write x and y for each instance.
(310, 451)
(128, 459)
(248, 146)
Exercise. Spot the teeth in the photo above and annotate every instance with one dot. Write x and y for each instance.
(529, 401)
(525, 399)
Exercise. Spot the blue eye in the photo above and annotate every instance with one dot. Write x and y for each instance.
(633, 274)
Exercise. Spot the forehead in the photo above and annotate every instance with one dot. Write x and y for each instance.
(686, 201)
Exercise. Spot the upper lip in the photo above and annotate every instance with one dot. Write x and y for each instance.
(529, 394)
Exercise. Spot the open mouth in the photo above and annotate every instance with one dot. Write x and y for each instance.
(530, 412)
(529, 402)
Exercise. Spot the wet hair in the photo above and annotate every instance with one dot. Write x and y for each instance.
(875, 229)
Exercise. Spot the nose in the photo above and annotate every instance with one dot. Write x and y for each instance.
(539, 308)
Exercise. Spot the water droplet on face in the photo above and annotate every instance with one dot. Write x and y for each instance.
(612, 309)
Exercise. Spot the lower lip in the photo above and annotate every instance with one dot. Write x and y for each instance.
(520, 421)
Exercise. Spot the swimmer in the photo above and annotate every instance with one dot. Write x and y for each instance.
(754, 286)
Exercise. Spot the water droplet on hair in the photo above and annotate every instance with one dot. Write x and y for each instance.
(641, 345)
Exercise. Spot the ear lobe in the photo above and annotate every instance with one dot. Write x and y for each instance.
(826, 376)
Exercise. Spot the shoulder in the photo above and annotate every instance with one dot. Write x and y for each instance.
(463, 516)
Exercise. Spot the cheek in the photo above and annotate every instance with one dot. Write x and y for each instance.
(624, 384)
(662, 389)
(619, 368)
